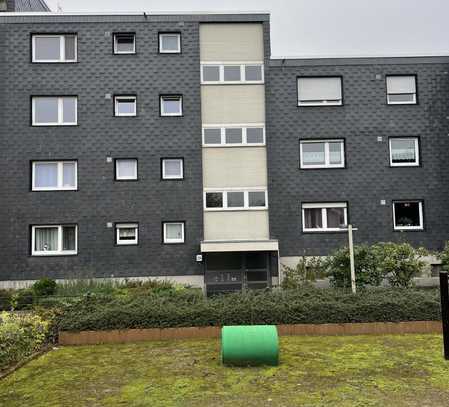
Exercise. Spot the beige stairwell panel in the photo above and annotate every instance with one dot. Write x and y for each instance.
(234, 167)
(236, 225)
(232, 104)
(231, 42)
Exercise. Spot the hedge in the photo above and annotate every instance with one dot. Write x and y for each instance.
(307, 305)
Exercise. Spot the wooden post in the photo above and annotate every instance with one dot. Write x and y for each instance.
(444, 294)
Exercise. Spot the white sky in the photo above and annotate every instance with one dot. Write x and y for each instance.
(306, 28)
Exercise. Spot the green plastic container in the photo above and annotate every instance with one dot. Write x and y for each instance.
(250, 345)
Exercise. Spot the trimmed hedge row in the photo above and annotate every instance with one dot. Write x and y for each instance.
(307, 305)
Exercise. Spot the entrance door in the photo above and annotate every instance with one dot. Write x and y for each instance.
(234, 271)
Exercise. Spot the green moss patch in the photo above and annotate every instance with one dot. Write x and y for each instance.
(406, 370)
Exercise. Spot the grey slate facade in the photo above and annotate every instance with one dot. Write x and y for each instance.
(368, 177)
(99, 200)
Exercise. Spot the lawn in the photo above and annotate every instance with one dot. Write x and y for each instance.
(406, 370)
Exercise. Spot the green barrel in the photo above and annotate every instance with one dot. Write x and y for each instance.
(250, 345)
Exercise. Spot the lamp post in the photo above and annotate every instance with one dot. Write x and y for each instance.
(350, 229)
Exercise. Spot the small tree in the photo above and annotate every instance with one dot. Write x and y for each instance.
(307, 270)
(444, 257)
(367, 271)
(399, 262)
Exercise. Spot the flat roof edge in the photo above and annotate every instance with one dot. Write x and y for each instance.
(412, 59)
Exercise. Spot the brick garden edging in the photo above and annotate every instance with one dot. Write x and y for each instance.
(156, 334)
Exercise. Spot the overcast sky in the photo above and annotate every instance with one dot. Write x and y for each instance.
(308, 28)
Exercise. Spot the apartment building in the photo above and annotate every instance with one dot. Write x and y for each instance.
(172, 146)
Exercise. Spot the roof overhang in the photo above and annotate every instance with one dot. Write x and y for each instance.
(240, 246)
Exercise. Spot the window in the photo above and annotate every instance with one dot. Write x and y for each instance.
(235, 135)
(54, 175)
(126, 233)
(124, 43)
(235, 199)
(404, 152)
(125, 105)
(408, 215)
(54, 110)
(232, 73)
(126, 169)
(54, 48)
(320, 91)
(173, 232)
(54, 240)
(172, 168)
(324, 217)
(322, 154)
(169, 43)
(171, 105)
(401, 90)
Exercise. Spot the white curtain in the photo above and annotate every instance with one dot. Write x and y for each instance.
(46, 239)
(46, 175)
(319, 88)
(174, 230)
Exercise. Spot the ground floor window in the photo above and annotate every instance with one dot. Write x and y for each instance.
(48, 240)
(173, 232)
(324, 217)
(126, 233)
(408, 215)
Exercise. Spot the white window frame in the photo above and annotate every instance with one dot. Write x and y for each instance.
(242, 66)
(60, 178)
(320, 102)
(245, 206)
(412, 102)
(327, 163)
(62, 58)
(173, 241)
(126, 178)
(165, 176)
(58, 252)
(417, 158)
(421, 216)
(244, 127)
(324, 206)
(60, 121)
(116, 51)
(162, 51)
(117, 99)
(120, 242)
(163, 113)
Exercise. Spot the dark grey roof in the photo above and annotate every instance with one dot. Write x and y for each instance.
(27, 6)
(401, 60)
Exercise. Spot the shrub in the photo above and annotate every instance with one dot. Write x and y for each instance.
(20, 336)
(22, 299)
(5, 299)
(444, 257)
(307, 270)
(367, 271)
(305, 305)
(44, 287)
(399, 262)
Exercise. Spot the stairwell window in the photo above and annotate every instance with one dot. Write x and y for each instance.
(54, 175)
(54, 110)
(124, 43)
(401, 89)
(320, 91)
(169, 43)
(52, 48)
(322, 154)
(235, 199)
(235, 135)
(404, 152)
(408, 215)
(54, 240)
(231, 73)
(324, 217)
